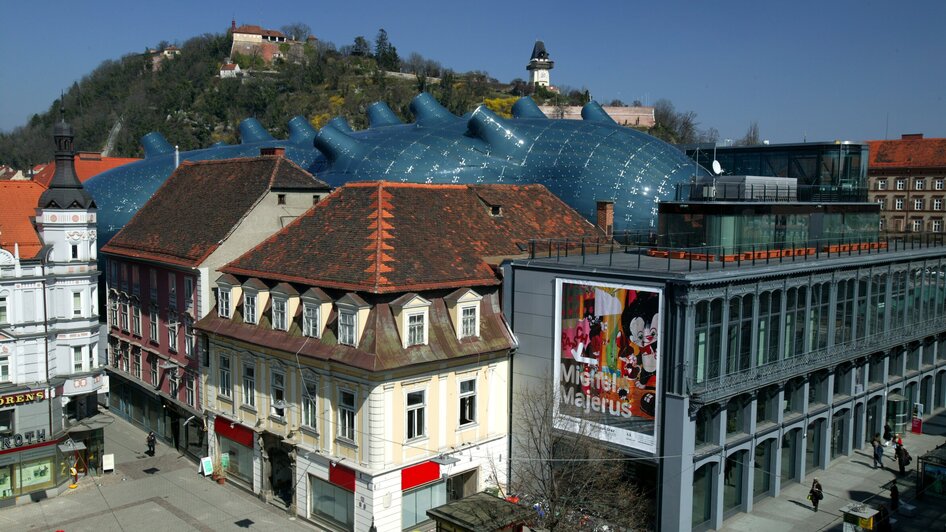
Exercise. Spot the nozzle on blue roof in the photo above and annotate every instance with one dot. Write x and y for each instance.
(251, 131)
(379, 115)
(427, 110)
(526, 107)
(498, 133)
(340, 124)
(593, 112)
(301, 131)
(336, 145)
(155, 144)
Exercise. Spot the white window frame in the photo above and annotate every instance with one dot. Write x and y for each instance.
(136, 363)
(415, 422)
(78, 359)
(189, 389)
(883, 203)
(172, 331)
(881, 184)
(311, 319)
(174, 383)
(249, 385)
(223, 302)
(154, 319)
(225, 385)
(188, 292)
(937, 204)
(917, 204)
(347, 331)
(4, 317)
(937, 226)
(153, 370)
(938, 184)
(919, 183)
(136, 319)
(901, 184)
(310, 395)
(898, 204)
(917, 226)
(416, 323)
(277, 392)
(189, 350)
(279, 312)
(77, 305)
(475, 332)
(4, 369)
(467, 402)
(250, 302)
(347, 415)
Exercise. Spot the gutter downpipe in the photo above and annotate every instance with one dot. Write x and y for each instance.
(46, 340)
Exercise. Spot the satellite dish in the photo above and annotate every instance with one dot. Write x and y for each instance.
(717, 169)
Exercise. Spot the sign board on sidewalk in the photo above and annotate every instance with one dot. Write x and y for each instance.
(206, 466)
(108, 463)
(917, 427)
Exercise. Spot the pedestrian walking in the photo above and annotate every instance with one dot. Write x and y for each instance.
(903, 458)
(878, 453)
(151, 440)
(894, 496)
(815, 494)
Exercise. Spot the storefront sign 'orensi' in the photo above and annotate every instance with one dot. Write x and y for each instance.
(22, 398)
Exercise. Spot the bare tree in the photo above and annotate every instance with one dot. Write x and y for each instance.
(575, 482)
(752, 137)
(298, 31)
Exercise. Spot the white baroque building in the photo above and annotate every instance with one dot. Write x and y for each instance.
(50, 373)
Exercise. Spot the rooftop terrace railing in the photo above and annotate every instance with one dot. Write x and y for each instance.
(756, 192)
(637, 250)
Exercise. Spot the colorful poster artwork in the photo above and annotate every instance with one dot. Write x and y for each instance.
(608, 361)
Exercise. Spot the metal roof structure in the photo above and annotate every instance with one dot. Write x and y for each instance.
(582, 162)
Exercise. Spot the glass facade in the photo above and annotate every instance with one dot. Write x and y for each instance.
(240, 459)
(416, 502)
(332, 502)
(819, 163)
(33, 470)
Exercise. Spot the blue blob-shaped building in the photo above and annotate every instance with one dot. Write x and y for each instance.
(582, 162)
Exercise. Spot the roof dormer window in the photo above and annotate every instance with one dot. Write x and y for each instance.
(347, 324)
(249, 308)
(352, 314)
(417, 329)
(464, 308)
(223, 302)
(411, 312)
(279, 315)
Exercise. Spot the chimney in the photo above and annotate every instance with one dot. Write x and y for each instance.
(605, 219)
(911, 136)
(281, 152)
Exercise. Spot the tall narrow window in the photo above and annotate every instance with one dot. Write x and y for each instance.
(223, 303)
(278, 389)
(136, 363)
(174, 382)
(416, 334)
(189, 350)
(136, 319)
(4, 369)
(172, 289)
(123, 315)
(249, 385)
(346, 328)
(346, 415)
(3, 309)
(153, 324)
(153, 284)
(77, 305)
(189, 388)
(153, 370)
(279, 314)
(467, 402)
(75, 252)
(172, 331)
(225, 386)
(415, 414)
(309, 413)
(468, 320)
(249, 308)
(135, 282)
(77, 359)
(310, 325)
(188, 292)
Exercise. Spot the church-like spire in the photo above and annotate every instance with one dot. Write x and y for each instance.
(65, 190)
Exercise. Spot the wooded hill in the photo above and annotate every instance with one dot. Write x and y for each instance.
(186, 100)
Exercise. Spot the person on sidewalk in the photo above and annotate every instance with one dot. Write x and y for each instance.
(816, 493)
(151, 440)
(878, 452)
(888, 434)
(894, 496)
(903, 458)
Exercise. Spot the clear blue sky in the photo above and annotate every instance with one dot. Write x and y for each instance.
(801, 69)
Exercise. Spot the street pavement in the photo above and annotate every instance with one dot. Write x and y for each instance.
(153, 494)
(853, 479)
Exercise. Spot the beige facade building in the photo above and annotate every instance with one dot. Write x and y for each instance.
(907, 177)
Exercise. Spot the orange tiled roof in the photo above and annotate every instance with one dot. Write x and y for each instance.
(384, 237)
(917, 153)
(20, 199)
(252, 29)
(87, 164)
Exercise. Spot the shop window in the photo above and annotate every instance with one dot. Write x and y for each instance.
(332, 502)
(416, 502)
(6, 422)
(240, 459)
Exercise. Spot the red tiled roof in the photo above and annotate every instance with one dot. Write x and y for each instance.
(918, 153)
(198, 206)
(384, 237)
(87, 164)
(231, 66)
(20, 199)
(253, 29)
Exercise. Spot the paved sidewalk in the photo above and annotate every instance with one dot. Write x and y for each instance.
(154, 494)
(848, 480)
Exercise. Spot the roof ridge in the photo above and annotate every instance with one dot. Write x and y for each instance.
(381, 227)
(398, 184)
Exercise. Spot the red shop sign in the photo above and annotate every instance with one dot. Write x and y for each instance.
(342, 476)
(421, 473)
(234, 431)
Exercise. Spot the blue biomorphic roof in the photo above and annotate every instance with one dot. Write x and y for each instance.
(581, 161)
